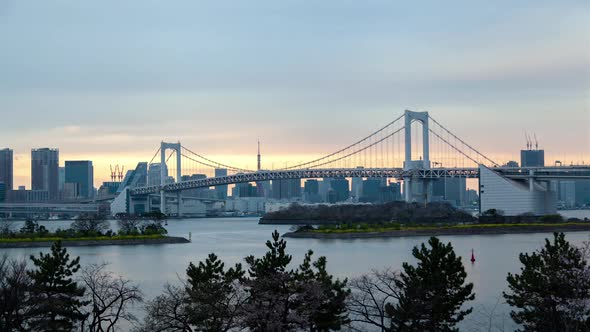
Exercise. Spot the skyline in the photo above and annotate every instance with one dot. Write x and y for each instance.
(109, 81)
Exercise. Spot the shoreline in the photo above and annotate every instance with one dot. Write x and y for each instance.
(441, 231)
(94, 243)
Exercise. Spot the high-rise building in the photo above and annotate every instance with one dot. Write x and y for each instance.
(532, 158)
(340, 190)
(82, 173)
(6, 168)
(286, 188)
(155, 174)
(45, 171)
(221, 191)
(582, 192)
(453, 190)
(311, 191)
(357, 189)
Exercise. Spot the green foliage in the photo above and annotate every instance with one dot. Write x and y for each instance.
(324, 298)
(56, 299)
(431, 293)
(213, 294)
(552, 291)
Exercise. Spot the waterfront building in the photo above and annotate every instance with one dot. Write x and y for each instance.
(7, 168)
(244, 190)
(532, 158)
(45, 171)
(371, 191)
(566, 193)
(514, 197)
(80, 172)
(135, 178)
(2, 191)
(27, 196)
(582, 188)
(221, 191)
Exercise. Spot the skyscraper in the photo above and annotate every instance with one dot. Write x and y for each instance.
(221, 191)
(82, 173)
(45, 171)
(6, 168)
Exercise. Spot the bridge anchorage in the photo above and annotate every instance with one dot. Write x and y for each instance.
(414, 149)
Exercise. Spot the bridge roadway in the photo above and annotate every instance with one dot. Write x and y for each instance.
(543, 173)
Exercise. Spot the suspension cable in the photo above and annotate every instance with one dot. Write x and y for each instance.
(464, 143)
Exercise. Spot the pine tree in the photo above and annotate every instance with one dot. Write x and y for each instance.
(56, 299)
(270, 289)
(322, 300)
(552, 292)
(215, 295)
(431, 294)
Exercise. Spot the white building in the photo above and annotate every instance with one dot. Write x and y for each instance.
(514, 197)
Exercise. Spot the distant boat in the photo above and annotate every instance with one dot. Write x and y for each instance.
(472, 257)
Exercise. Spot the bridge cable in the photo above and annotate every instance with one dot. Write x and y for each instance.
(346, 148)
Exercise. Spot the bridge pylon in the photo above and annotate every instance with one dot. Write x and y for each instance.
(178, 149)
(424, 162)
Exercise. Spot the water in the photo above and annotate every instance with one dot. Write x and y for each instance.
(234, 238)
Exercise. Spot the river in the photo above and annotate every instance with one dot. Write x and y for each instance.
(234, 238)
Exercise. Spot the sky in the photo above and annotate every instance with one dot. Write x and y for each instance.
(108, 80)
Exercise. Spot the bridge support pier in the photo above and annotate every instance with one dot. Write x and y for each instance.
(407, 190)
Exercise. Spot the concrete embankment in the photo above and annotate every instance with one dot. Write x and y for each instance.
(85, 243)
(442, 231)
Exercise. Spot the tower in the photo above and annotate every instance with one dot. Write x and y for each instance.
(258, 168)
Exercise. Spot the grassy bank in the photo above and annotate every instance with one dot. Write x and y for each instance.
(371, 228)
(81, 238)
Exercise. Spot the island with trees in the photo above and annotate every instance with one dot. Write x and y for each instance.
(399, 219)
(91, 230)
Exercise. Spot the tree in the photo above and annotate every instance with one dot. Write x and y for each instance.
(215, 295)
(431, 293)
(168, 312)
(370, 295)
(90, 225)
(109, 299)
(14, 287)
(552, 292)
(129, 224)
(285, 300)
(56, 299)
(321, 301)
(270, 289)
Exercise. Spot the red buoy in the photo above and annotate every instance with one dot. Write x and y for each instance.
(472, 257)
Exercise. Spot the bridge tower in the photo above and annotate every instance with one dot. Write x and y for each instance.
(423, 163)
(178, 149)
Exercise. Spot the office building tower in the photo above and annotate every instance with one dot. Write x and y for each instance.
(7, 168)
(80, 172)
(221, 191)
(311, 191)
(340, 190)
(155, 174)
(532, 158)
(62, 178)
(582, 193)
(453, 190)
(286, 189)
(3, 191)
(45, 171)
(357, 189)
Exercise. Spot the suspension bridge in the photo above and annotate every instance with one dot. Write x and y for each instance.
(414, 149)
